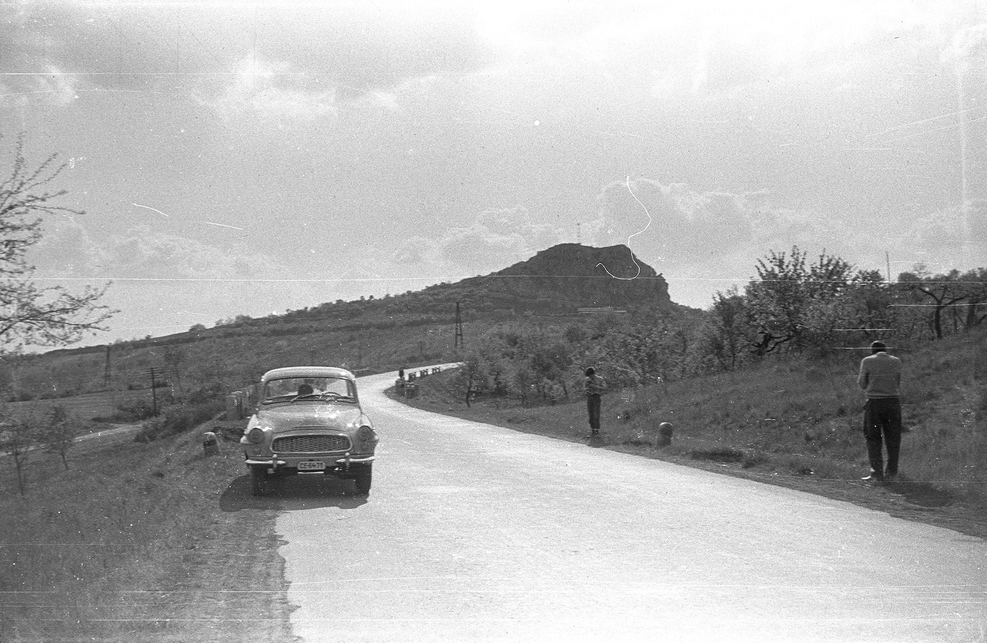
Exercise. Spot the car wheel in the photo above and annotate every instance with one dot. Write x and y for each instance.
(363, 479)
(258, 476)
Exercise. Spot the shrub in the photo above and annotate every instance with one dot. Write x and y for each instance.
(178, 419)
(23, 395)
(206, 393)
(134, 411)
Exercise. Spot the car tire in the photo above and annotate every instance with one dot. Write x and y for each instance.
(363, 479)
(258, 478)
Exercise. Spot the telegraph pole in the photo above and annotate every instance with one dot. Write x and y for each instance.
(154, 394)
(459, 329)
(107, 374)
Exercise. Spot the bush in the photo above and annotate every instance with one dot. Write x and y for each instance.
(23, 395)
(134, 411)
(178, 419)
(206, 393)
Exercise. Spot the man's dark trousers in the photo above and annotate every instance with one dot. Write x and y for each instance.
(882, 423)
(593, 406)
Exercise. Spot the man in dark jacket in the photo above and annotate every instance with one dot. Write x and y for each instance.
(880, 378)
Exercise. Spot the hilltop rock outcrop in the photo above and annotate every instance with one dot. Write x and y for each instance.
(571, 276)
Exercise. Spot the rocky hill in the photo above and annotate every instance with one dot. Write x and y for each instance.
(570, 276)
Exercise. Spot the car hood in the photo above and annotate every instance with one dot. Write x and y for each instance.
(285, 417)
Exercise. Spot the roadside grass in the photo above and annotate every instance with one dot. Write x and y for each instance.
(100, 552)
(89, 407)
(795, 417)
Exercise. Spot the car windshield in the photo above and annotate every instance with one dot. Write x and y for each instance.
(309, 388)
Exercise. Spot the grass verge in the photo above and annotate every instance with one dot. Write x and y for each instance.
(140, 542)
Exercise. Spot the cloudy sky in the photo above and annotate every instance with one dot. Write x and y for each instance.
(250, 158)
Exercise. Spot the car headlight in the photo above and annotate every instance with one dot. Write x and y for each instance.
(256, 435)
(366, 438)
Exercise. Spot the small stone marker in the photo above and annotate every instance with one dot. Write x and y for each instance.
(664, 434)
(210, 444)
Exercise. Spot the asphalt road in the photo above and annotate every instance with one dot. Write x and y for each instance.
(478, 533)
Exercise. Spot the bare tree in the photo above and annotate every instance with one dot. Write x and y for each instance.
(31, 315)
(58, 433)
(18, 437)
(944, 290)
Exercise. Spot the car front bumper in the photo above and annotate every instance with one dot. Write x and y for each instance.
(333, 463)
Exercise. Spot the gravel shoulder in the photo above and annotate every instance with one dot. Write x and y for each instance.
(230, 576)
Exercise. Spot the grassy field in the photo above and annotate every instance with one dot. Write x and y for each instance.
(796, 423)
(89, 406)
(140, 542)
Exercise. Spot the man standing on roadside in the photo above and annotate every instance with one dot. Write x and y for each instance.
(880, 378)
(594, 387)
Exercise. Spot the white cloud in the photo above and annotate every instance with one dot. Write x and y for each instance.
(494, 240)
(53, 88)
(268, 92)
(163, 283)
(968, 44)
(67, 249)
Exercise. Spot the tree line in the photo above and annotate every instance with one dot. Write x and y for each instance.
(794, 306)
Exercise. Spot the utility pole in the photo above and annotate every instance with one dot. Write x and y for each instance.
(154, 393)
(107, 377)
(458, 343)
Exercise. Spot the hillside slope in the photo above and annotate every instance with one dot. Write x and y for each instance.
(366, 334)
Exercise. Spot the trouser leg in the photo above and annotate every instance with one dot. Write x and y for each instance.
(593, 406)
(892, 435)
(872, 434)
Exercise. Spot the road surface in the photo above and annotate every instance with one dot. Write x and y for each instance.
(478, 533)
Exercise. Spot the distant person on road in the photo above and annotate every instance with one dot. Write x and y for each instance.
(880, 378)
(594, 387)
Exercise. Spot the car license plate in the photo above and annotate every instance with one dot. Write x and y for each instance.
(311, 465)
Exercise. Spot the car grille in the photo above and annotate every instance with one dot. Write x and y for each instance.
(311, 443)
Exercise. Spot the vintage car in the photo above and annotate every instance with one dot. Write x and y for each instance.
(308, 420)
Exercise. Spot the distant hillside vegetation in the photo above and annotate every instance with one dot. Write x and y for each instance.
(364, 334)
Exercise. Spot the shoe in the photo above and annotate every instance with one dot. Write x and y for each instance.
(890, 477)
(874, 477)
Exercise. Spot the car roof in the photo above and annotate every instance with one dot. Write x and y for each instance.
(308, 371)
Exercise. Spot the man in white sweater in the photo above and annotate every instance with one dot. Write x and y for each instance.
(880, 378)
